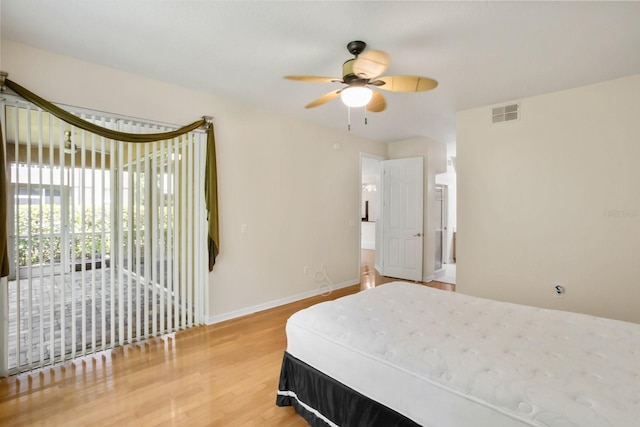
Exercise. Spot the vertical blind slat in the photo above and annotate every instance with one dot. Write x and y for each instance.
(176, 252)
(103, 243)
(122, 248)
(152, 181)
(42, 194)
(190, 222)
(64, 254)
(93, 242)
(161, 239)
(146, 282)
(170, 220)
(83, 249)
(73, 184)
(29, 280)
(51, 288)
(183, 227)
(115, 261)
(136, 192)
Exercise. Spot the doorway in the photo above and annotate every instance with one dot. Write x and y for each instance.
(370, 172)
(446, 191)
(440, 226)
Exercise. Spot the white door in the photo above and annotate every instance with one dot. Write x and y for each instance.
(402, 206)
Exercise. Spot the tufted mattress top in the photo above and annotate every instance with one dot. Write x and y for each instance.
(446, 359)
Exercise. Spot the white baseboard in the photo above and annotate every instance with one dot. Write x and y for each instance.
(276, 303)
(427, 279)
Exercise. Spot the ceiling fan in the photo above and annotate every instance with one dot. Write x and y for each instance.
(360, 75)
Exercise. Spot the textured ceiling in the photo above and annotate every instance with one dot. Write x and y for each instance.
(480, 52)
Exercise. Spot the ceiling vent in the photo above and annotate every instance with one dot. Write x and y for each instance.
(506, 113)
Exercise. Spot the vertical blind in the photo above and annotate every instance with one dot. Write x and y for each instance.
(107, 239)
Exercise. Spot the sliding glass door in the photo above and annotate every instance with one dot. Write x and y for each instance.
(107, 239)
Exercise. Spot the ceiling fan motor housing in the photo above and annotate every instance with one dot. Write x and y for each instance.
(355, 48)
(348, 76)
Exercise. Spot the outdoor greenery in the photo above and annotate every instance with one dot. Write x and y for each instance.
(44, 245)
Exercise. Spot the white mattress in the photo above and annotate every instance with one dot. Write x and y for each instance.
(446, 359)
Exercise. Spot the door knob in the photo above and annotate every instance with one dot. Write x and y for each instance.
(417, 235)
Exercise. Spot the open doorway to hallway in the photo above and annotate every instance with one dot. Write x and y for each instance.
(370, 207)
(370, 236)
(446, 199)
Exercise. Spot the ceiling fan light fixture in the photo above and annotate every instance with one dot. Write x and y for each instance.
(356, 96)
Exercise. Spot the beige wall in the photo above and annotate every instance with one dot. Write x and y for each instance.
(435, 162)
(554, 198)
(283, 178)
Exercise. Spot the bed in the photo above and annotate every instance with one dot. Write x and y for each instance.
(406, 355)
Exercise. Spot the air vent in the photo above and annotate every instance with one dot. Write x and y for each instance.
(506, 113)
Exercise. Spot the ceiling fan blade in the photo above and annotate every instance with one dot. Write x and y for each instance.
(324, 99)
(370, 64)
(377, 103)
(314, 79)
(406, 83)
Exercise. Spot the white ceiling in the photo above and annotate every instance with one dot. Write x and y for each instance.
(480, 52)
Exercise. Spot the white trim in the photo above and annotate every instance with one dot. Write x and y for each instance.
(427, 279)
(314, 411)
(275, 303)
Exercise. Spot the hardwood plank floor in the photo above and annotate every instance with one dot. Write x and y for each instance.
(220, 375)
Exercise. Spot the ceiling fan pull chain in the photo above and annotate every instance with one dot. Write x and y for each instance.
(365, 115)
(349, 118)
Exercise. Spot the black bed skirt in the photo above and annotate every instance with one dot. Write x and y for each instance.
(323, 401)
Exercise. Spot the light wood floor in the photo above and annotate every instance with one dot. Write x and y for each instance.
(220, 375)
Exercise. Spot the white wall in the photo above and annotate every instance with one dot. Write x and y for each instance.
(280, 176)
(554, 198)
(435, 162)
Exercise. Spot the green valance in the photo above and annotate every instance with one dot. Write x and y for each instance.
(210, 184)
